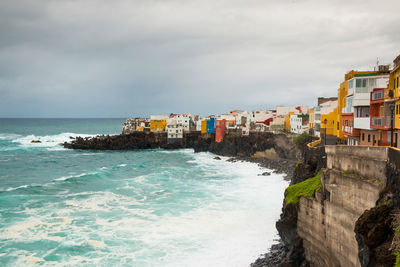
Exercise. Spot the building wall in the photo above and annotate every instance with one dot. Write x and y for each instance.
(342, 92)
(175, 131)
(158, 125)
(204, 126)
(369, 138)
(287, 122)
(331, 125)
(220, 130)
(211, 125)
(311, 119)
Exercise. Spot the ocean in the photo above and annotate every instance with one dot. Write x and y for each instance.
(62, 207)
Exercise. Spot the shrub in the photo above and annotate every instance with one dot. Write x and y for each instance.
(306, 188)
(302, 139)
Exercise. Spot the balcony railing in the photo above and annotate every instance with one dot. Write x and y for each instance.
(377, 95)
(381, 121)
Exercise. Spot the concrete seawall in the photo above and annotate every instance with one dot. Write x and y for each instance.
(351, 184)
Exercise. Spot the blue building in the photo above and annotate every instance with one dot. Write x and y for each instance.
(211, 125)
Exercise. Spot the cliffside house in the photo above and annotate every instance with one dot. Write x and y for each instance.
(299, 123)
(220, 130)
(355, 114)
(158, 123)
(174, 130)
(211, 125)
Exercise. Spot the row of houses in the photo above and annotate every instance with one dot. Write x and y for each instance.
(237, 122)
(366, 110)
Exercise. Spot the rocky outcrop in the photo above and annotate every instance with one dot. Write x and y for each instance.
(375, 229)
(232, 145)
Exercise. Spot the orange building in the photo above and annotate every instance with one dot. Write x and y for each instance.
(220, 130)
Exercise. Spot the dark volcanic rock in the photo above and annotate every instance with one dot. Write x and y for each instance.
(271, 259)
(217, 158)
(374, 235)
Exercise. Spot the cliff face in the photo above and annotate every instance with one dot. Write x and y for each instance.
(350, 221)
(351, 184)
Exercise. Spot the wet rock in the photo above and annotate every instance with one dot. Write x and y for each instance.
(36, 141)
(217, 158)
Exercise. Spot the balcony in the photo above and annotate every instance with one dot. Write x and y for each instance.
(381, 122)
(362, 123)
(350, 91)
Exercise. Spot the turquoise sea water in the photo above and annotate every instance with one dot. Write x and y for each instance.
(62, 207)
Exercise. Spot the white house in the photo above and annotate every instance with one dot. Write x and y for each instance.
(174, 130)
(325, 108)
(186, 120)
(298, 123)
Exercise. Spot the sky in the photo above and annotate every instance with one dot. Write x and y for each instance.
(99, 58)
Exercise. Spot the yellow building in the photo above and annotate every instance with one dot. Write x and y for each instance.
(331, 125)
(158, 125)
(342, 93)
(287, 122)
(140, 129)
(204, 126)
(394, 84)
(311, 118)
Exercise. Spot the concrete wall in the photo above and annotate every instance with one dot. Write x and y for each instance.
(350, 185)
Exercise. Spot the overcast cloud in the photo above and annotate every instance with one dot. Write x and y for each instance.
(134, 58)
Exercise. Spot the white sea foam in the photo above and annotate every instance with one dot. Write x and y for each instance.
(72, 176)
(16, 188)
(9, 136)
(47, 141)
(231, 229)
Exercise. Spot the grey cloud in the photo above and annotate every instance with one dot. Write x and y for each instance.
(124, 58)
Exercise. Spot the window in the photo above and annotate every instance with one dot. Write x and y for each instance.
(369, 138)
(361, 86)
(338, 126)
(351, 83)
(371, 82)
(363, 136)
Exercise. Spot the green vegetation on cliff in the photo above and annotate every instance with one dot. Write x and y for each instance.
(306, 188)
(302, 139)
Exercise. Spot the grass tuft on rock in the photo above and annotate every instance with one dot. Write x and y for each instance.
(397, 263)
(306, 188)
